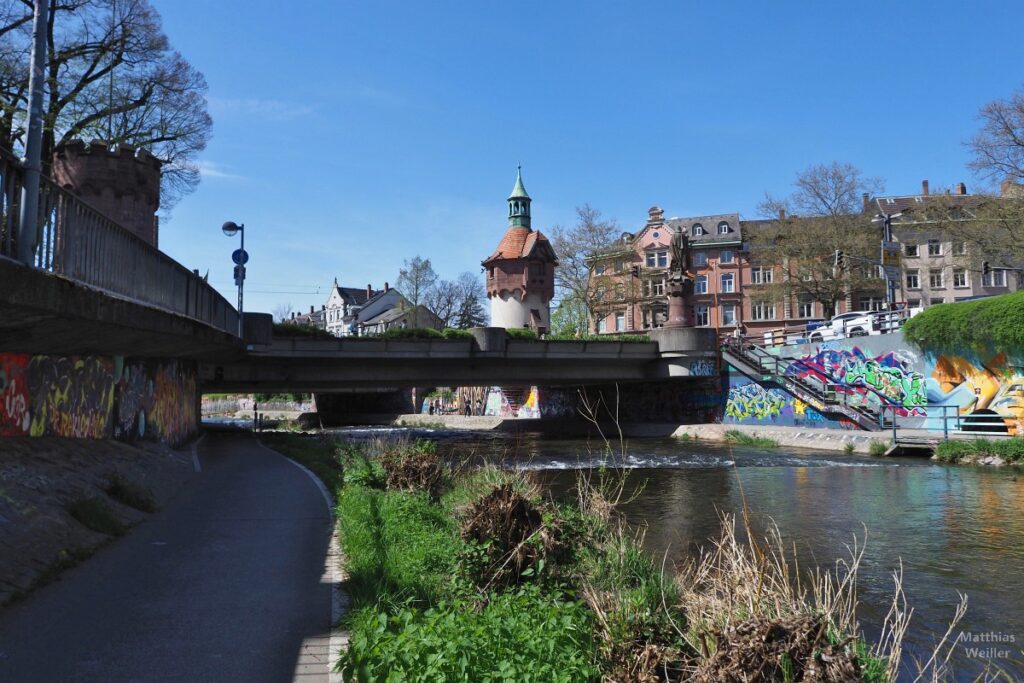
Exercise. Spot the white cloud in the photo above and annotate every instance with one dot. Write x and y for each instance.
(211, 169)
(274, 110)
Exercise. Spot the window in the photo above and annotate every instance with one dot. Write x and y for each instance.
(620, 321)
(761, 276)
(934, 248)
(697, 230)
(618, 266)
(762, 310)
(657, 259)
(959, 248)
(700, 315)
(959, 277)
(658, 288)
(913, 279)
(871, 303)
(620, 292)
(805, 308)
(599, 294)
(598, 270)
(728, 284)
(650, 259)
(662, 259)
(936, 302)
(910, 249)
(725, 256)
(728, 314)
(995, 278)
(602, 326)
(700, 258)
(723, 228)
(700, 284)
(935, 279)
(913, 303)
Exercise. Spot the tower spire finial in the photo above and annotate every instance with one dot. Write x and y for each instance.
(519, 202)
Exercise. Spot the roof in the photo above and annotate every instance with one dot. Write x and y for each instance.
(518, 191)
(710, 225)
(910, 203)
(353, 295)
(522, 242)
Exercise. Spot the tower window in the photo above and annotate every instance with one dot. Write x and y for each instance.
(723, 228)
(697, 230)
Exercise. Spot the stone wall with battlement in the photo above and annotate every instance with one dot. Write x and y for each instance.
(119, 182)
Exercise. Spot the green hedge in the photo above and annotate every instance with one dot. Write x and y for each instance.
(981, 328)
(308, 331)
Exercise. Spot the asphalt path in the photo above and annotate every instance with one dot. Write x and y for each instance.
(222, 584)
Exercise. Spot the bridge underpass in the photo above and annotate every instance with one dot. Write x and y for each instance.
(307, 365)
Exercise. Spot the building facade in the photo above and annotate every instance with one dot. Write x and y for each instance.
(521, 271)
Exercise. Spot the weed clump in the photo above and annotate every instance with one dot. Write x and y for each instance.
(878, 448)
(130, 494)
(94, 513)
(415, 467)
(735, 436)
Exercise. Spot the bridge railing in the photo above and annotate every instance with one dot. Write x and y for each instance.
(78, 242)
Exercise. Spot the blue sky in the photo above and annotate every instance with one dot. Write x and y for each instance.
(351, 136)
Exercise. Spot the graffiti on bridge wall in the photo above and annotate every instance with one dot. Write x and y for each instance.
(96, 397)
(751, 403)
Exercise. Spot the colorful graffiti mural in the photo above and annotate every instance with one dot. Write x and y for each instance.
(924, 392)
(97, 397)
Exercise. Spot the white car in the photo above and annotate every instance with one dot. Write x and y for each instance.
(852, 324)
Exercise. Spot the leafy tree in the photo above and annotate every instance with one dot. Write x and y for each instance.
(574, 245)
(471, 311)
(569, 319)
(415, 281)
(823, 215)
(111, 74)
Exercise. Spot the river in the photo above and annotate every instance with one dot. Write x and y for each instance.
(956, 529)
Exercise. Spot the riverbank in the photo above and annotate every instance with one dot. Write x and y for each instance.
(475, 573)
(849, 441)
(63, 499)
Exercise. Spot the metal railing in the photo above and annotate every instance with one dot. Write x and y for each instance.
(947, 420)
(76, 241)
(885, 322)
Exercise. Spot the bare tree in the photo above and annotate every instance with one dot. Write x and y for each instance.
(111, 74)
(999, 146)
(574, 246)
(415, 281)
(282, 312)
(822, 216)
(444, 299)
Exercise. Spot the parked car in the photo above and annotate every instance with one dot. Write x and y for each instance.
(852, 324)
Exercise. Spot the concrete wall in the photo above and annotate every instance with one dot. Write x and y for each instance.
(686, 401)
(882, 371)
(98, 397)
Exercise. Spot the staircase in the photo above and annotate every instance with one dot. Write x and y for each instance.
(514, 399)
(761, 366)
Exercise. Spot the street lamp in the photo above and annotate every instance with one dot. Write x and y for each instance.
(890, 254)
(240, 258)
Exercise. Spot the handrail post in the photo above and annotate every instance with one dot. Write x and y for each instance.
(29, 223)
(945, 424)
(893, 424)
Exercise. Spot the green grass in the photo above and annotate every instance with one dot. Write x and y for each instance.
(95, 514)
(320, 455)
(521, 334)
(982, 328)
(849, 447)
(958, 450)
(738, 438)
(633, 338)
(306, 331)
(878, 448)
(130, 494)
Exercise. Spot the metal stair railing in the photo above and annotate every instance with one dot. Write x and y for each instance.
(823, 397)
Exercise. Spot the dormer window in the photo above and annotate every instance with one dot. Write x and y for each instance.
(697, 230)
(723, 228)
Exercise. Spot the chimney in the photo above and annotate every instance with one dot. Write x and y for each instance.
(369, 291)
(293, 315)
(311, 309)
(961, 189)
(387, 287)
(866, 202)
(924, 188)
(782, 214)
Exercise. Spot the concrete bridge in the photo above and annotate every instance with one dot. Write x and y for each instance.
(491, 357)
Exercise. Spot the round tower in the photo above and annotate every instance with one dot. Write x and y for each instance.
(118, 182)
(521, 271)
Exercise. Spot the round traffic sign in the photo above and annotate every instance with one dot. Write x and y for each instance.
(240, 257)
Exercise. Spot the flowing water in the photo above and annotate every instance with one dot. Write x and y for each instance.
(955, 529)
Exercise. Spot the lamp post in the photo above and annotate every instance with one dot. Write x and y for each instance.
(240, 258)
(890, 256)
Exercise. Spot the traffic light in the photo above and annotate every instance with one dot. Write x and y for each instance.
(985, 268)
(635, 270)
(840, 259)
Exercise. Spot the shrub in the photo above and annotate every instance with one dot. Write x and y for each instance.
(521, 333)
(132, 495)
(410, 333)
(95, 514)
(308, 331)
(524, 635)
(849, 447)
(735, 436)
(415, 467)
(983, 327)
(878, 448)
(456, 333)
(957, 450)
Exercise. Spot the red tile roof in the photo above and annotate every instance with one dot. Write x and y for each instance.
(519, 242)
